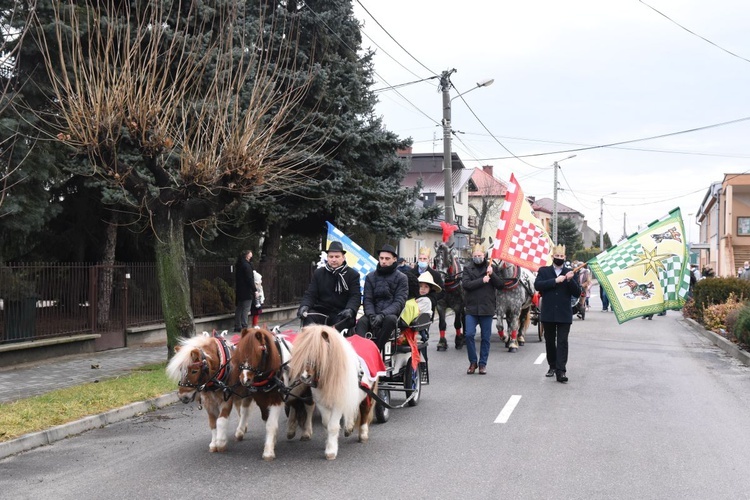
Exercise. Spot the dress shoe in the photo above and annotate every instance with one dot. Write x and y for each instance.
(561, 377)
(472, 369)
(482, 370)
(550, 372)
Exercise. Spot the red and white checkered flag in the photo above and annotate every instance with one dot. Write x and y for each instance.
(520, 239)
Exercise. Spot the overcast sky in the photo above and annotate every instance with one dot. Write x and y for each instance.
(569, 75)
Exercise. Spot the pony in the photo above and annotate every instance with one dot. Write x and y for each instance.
(450, 269)
(201, 365)
(642, 290)
(324, 360)
(261, 362)
(514, 303)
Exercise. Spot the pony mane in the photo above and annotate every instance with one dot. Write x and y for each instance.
(182, 358)
(336, 365)
(249, 344)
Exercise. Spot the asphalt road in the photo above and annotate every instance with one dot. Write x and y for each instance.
(652, 410)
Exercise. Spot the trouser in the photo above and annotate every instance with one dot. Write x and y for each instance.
(379, 335)
(603, 296)
(316, 317)
(556, 337)
(485, 327)
(241, 314)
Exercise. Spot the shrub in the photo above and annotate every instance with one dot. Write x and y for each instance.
(227, 294)
(716, 291)
(731, 322)
(741, 330)
(715, 315)
(207, 299)
(688, 310)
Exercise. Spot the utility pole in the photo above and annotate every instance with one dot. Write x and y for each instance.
(445, 87)
(601, 222)
(624, 231)
(554, 207)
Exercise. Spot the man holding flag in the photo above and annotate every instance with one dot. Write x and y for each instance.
(557, 285)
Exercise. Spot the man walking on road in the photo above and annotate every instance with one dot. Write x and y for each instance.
(557, 284)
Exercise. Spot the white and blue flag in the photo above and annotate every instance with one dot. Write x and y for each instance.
(356, 257)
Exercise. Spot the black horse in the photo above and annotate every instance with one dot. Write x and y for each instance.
(449, 267)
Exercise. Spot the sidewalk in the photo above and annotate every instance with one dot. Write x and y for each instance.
(32, 379)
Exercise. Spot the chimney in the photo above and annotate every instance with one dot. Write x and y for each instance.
(487, 169)
(404, 152)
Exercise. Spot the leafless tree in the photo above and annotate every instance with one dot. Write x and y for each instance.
(185, 127)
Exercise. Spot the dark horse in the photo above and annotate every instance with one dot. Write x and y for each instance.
(448, 266)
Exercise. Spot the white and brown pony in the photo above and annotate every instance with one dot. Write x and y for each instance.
(201, 366)
(261, 359)
(327, 362)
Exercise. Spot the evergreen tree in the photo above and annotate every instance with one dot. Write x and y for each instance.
(607, 241)
(569, 235)
(358, 183)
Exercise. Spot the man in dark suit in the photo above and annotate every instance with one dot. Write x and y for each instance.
(557, 284)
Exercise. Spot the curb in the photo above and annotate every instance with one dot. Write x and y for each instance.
(49, 436)
(719, 341)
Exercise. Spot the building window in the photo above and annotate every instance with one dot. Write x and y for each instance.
(472, 221)
(460, 220)
(743, 226)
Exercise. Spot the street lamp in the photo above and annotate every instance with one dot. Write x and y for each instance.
(445, 86)
(554, 203)
(601, 220)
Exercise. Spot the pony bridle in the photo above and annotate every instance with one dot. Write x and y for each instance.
(260, 375)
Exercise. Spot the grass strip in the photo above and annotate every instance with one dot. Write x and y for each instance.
(66, 405)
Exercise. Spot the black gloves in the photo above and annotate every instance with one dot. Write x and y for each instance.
(346, 314)
(376, 320)
(302, 311)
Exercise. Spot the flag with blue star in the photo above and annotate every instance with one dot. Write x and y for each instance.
(647, 273)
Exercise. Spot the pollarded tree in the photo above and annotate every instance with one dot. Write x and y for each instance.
(183, 108)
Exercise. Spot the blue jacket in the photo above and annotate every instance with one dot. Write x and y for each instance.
(556, 306)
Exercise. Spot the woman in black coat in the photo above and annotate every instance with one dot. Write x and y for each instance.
(244, 289)
(557, 284)
(480, 280)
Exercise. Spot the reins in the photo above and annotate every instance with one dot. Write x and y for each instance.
(218, 380)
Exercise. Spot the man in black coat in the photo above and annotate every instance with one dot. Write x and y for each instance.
(557, 284)
(386, 291)
(244, 289)
(333, 296)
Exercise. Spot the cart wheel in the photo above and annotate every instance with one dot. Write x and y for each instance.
(540, 330)
(412, 383)
(382, 414)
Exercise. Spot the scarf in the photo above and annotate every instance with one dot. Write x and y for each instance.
(339, 272)
(386, 270)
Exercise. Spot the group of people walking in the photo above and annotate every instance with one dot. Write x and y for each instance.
(333, 298)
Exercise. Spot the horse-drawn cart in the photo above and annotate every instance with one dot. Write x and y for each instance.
(405, 358)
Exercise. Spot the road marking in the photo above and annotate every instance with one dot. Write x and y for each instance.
(541, 358)
(508, 409)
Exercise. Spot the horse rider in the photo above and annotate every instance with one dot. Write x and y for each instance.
(333, 296)
(557, 284)
(386, 291)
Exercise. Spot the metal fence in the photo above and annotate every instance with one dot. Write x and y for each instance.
(44, 300)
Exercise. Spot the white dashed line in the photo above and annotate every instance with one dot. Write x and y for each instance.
(541, 358)
(508, 409)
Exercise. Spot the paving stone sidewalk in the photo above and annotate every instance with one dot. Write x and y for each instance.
(32, 379)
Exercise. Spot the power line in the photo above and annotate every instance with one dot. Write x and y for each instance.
(631, 141)
(391, 37)
(693, 32)
(389, 55)
(398, 86)
(492, 135)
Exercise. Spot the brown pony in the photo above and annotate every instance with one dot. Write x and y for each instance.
(201, 365)
(261, 362)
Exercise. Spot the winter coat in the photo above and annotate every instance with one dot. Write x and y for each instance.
(386, 291)
(556, 297)
(244, 281)
(480, 296)
(436, 278)
(322, 294)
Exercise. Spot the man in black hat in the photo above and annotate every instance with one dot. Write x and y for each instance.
(386, 290)
(333, 296)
